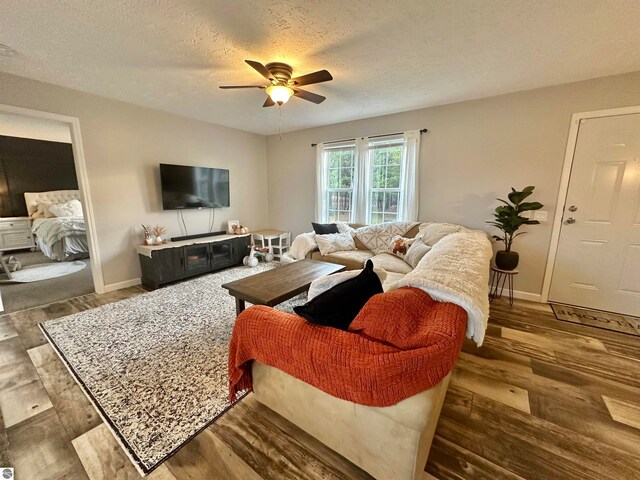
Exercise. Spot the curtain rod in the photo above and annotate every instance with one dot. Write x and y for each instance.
(424, 130)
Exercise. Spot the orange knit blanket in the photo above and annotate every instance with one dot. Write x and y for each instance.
(400, 344)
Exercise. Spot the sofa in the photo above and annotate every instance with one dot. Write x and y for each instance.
(396, 268)
(355, 259)
(388, 437)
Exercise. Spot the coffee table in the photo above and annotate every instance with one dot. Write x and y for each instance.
(279, 284)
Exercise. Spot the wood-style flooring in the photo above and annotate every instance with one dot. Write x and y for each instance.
(541, 400)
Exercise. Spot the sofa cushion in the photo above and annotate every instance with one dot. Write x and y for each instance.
(378, 237)
(391, 263)
(416, 251)
(335, 242)
(338, 306)
(432, 233)
(402, 318)
(413, 231)
(324, 228)
(353, 260)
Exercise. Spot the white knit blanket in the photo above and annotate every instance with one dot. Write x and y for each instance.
(456, 270)
(302, 245)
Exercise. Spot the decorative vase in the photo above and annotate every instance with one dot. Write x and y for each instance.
(507, 260)
(158, 240)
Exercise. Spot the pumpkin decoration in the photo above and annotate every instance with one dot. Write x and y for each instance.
(240, 230)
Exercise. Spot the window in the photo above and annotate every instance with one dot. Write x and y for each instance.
(368, 180)
(340, 164)
(385, 163)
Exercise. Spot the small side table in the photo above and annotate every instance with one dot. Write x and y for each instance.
(266, 237)
(506, 276)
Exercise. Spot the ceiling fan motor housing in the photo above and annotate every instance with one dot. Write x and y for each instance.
(281, 71)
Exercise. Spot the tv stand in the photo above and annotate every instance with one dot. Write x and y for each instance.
(198, 235)
(169, 262)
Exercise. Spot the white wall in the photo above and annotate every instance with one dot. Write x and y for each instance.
(37, 128)
(124, 144)
(474, 151)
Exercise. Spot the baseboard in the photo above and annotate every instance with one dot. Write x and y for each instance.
(120, 285)
(532, 297)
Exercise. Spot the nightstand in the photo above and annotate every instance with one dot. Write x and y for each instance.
(15, 234)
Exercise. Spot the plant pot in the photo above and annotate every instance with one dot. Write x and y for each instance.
(507, 260)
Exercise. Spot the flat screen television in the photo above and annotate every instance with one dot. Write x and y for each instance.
(193, 187)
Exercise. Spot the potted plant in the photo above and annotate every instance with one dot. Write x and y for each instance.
(509, 220)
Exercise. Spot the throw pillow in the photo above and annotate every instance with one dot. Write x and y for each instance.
(324, 228)
(416, 251)
(345, 227)
(43, 210)
(38, 212)
(399, 246)
(322, 284)
(432, 233)
(338, 306)
(72, 208)
(335, 242)
(412, 311)
(378, 237)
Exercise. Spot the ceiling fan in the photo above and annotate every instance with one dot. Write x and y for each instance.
(282, 86)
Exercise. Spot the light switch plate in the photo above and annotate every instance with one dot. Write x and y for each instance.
(540, 215)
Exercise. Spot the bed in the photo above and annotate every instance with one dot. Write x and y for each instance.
(59, 238)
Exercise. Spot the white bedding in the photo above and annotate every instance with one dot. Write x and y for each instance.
(61, 238)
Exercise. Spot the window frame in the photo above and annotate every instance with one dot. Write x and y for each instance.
(329, 190)
(372, 146)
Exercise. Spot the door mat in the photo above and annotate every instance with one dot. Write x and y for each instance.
(597, 318)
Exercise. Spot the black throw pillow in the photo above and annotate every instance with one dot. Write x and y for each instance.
(324, 228)
(338, 306)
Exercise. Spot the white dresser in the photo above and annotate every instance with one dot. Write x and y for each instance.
(15, 234)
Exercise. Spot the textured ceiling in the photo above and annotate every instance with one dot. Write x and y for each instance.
(386, 56)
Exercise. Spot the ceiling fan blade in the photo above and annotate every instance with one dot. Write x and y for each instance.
(261, 69)
(315, 77)
(268, 102)
(312, 97)
(227, 87)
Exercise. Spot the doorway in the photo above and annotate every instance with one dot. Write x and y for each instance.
(595, 256)
(42, 164)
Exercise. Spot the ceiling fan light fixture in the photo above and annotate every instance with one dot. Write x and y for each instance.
(279, 93)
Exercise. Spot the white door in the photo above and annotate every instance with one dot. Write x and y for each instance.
(598, 259)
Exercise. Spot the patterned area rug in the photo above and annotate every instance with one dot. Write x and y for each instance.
(597, 318)
(155, 365)
(37, 273)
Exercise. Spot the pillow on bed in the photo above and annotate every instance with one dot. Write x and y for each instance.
(72, 208)
(42, 210)
(38, 213)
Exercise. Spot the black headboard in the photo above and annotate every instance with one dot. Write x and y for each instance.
(28, 165)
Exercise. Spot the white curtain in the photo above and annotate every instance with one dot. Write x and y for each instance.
(362, 181)
(321, 185)
(410, 194)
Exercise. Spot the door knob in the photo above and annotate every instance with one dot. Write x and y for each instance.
(573, 208)
(570, 220)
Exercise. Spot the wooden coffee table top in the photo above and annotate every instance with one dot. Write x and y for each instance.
(281, 283)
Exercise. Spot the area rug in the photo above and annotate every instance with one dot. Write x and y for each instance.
(155, 365)
(596, 318)
(37, 273)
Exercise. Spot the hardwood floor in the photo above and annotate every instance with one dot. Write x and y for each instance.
(541, 400)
